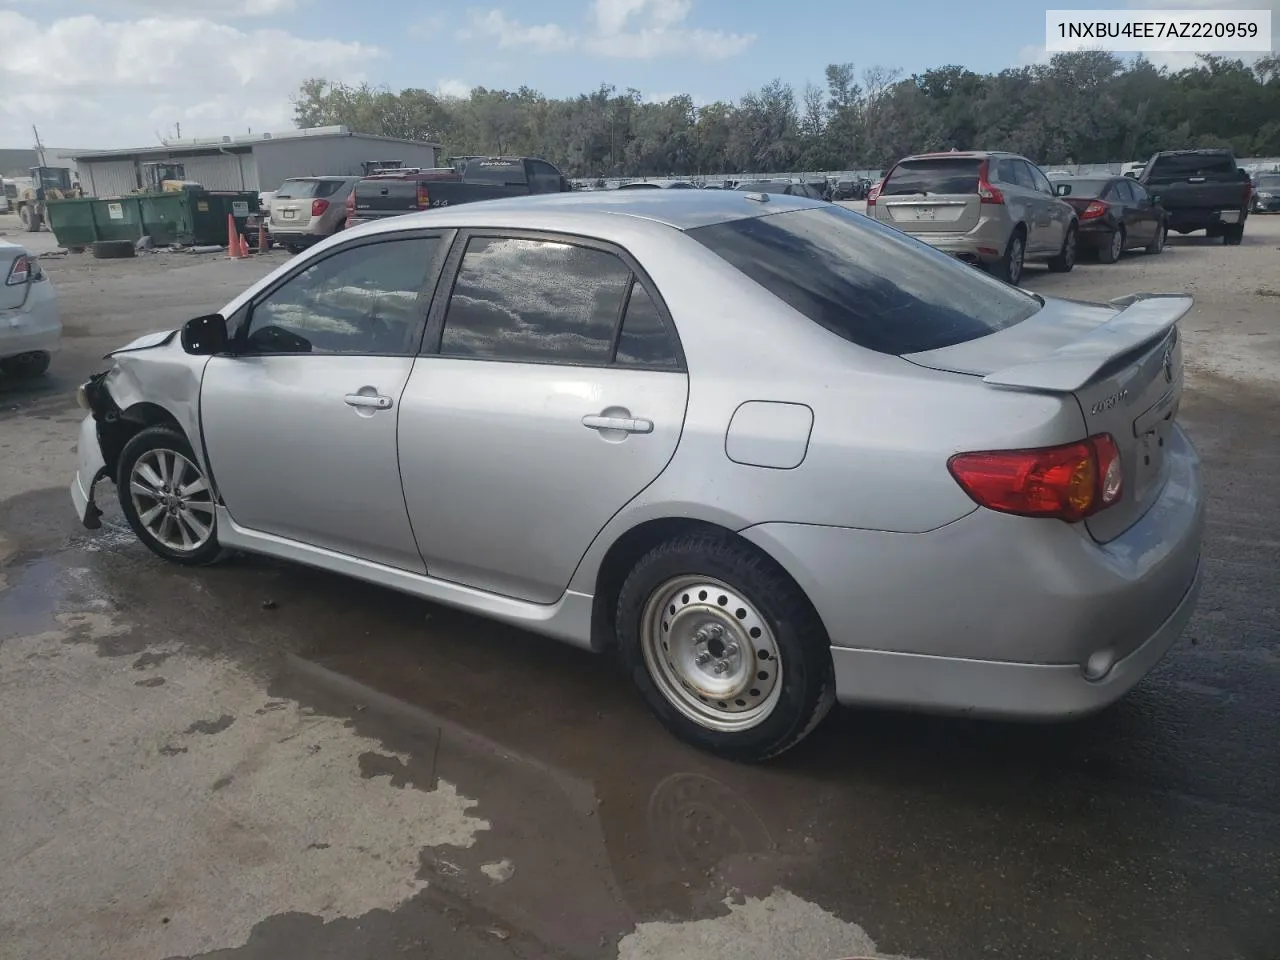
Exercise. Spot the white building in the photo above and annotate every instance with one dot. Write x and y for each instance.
(255, 162)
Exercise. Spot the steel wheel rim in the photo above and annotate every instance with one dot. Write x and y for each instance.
(1117, 245)
(172, 500)
(711, 653)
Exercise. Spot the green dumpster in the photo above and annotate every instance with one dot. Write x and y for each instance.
(190, 216)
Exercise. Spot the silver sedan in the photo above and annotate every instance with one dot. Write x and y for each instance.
(769, 452)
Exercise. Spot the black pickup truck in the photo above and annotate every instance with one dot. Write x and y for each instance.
(480, 178)
(1201, 190)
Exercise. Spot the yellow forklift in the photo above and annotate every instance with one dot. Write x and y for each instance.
(47, 183)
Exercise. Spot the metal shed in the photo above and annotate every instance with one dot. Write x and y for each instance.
(252, 162)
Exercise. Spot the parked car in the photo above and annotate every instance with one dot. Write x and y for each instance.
(472, 179)
(1116, 214)
(30, 323)
(544, 410)
(305, 210)
(995, 210)
(1266, 193)
(1202, 190)
(639, 185)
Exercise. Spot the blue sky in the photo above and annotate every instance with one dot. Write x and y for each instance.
(113, 73)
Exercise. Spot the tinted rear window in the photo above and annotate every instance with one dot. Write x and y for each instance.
(307, 189)
(502, 172)
(943, 175)
(1079, 188)
(866, 282)
(1214, 166)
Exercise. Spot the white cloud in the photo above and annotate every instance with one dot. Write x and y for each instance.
(218, 9)
(618, 29)
(98, 84)
(453, 88)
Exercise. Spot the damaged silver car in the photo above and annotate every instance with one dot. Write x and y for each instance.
(768, 451)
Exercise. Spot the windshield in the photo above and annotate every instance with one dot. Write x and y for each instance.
(307, 189)
(934, 175)
(867, 282)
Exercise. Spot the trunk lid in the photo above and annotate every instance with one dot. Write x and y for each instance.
(1121, 361)
(932, 195)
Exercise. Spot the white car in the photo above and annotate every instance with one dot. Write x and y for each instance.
(30, 325)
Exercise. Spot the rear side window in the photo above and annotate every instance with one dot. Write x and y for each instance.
(534, 301)
(1211, 166)
(644, 340)
(935, 175)
(308, 189)
(867, 282)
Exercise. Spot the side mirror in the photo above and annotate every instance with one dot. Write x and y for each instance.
(205, 336)
(1131, 174)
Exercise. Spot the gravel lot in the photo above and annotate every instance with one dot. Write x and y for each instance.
(261, 761)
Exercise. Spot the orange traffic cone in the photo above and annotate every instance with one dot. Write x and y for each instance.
(263, 243)
(233, 239)
(244, 246)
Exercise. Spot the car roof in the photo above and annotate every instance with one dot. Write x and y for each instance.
(681, 209)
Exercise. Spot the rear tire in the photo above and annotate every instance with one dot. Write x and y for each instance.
(1157, 243)
(1233, 235)
(1009, 267)
(1066, 259)
(724, 647)
(1113, 249)
(167, 498)
(26, 366)
(113, 250)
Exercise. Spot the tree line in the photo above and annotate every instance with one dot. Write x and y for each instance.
(1080, 107)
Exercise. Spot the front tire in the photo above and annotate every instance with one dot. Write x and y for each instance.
(724, 647)
(1158, 242)
(1066, 259)
(167, 498)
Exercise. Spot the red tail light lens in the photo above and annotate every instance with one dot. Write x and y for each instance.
(19, 273)
(874, 193)
(986, 192)
(318, 207)
(1094, 210)
(351, 204)
(424, 198)
(1068, 483)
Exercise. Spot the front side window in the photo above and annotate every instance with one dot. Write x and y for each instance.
(362, 300)
(866, 282)
(534, 301)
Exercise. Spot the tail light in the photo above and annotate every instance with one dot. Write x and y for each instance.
(1068, 483)
(874, 194)
(1094, 210)
(424, 198)
(986, 192)
(19, 273)
(318, 207)
(351, 204)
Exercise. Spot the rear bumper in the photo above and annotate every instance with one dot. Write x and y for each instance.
(999, 615)
(1203, 218)
(90, 468)
(31, 334)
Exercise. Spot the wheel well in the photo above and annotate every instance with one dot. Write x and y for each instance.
(118, 430)
(629, 548)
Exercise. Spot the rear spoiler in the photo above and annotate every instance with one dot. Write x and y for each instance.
(1143, 318)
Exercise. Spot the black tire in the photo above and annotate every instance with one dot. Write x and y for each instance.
(159, 441)
(113, 250)
(30, 218)
(1066, 258)
(1009, 267)
(26, 366)
(1158, 241)
(806, 690)
(1233, 235)
(1114, 248)
(75, 249)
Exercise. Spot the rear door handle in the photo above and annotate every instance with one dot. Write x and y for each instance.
(364, 400)
(625, 424)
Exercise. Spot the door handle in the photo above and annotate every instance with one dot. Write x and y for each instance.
(625, 424)
(364, 400)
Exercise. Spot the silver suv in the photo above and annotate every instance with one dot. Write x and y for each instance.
(305, 210)
(996, 210)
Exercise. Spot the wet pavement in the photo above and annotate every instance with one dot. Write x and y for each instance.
(257, 760)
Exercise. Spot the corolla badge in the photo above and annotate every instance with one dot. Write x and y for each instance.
(1106, 403)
